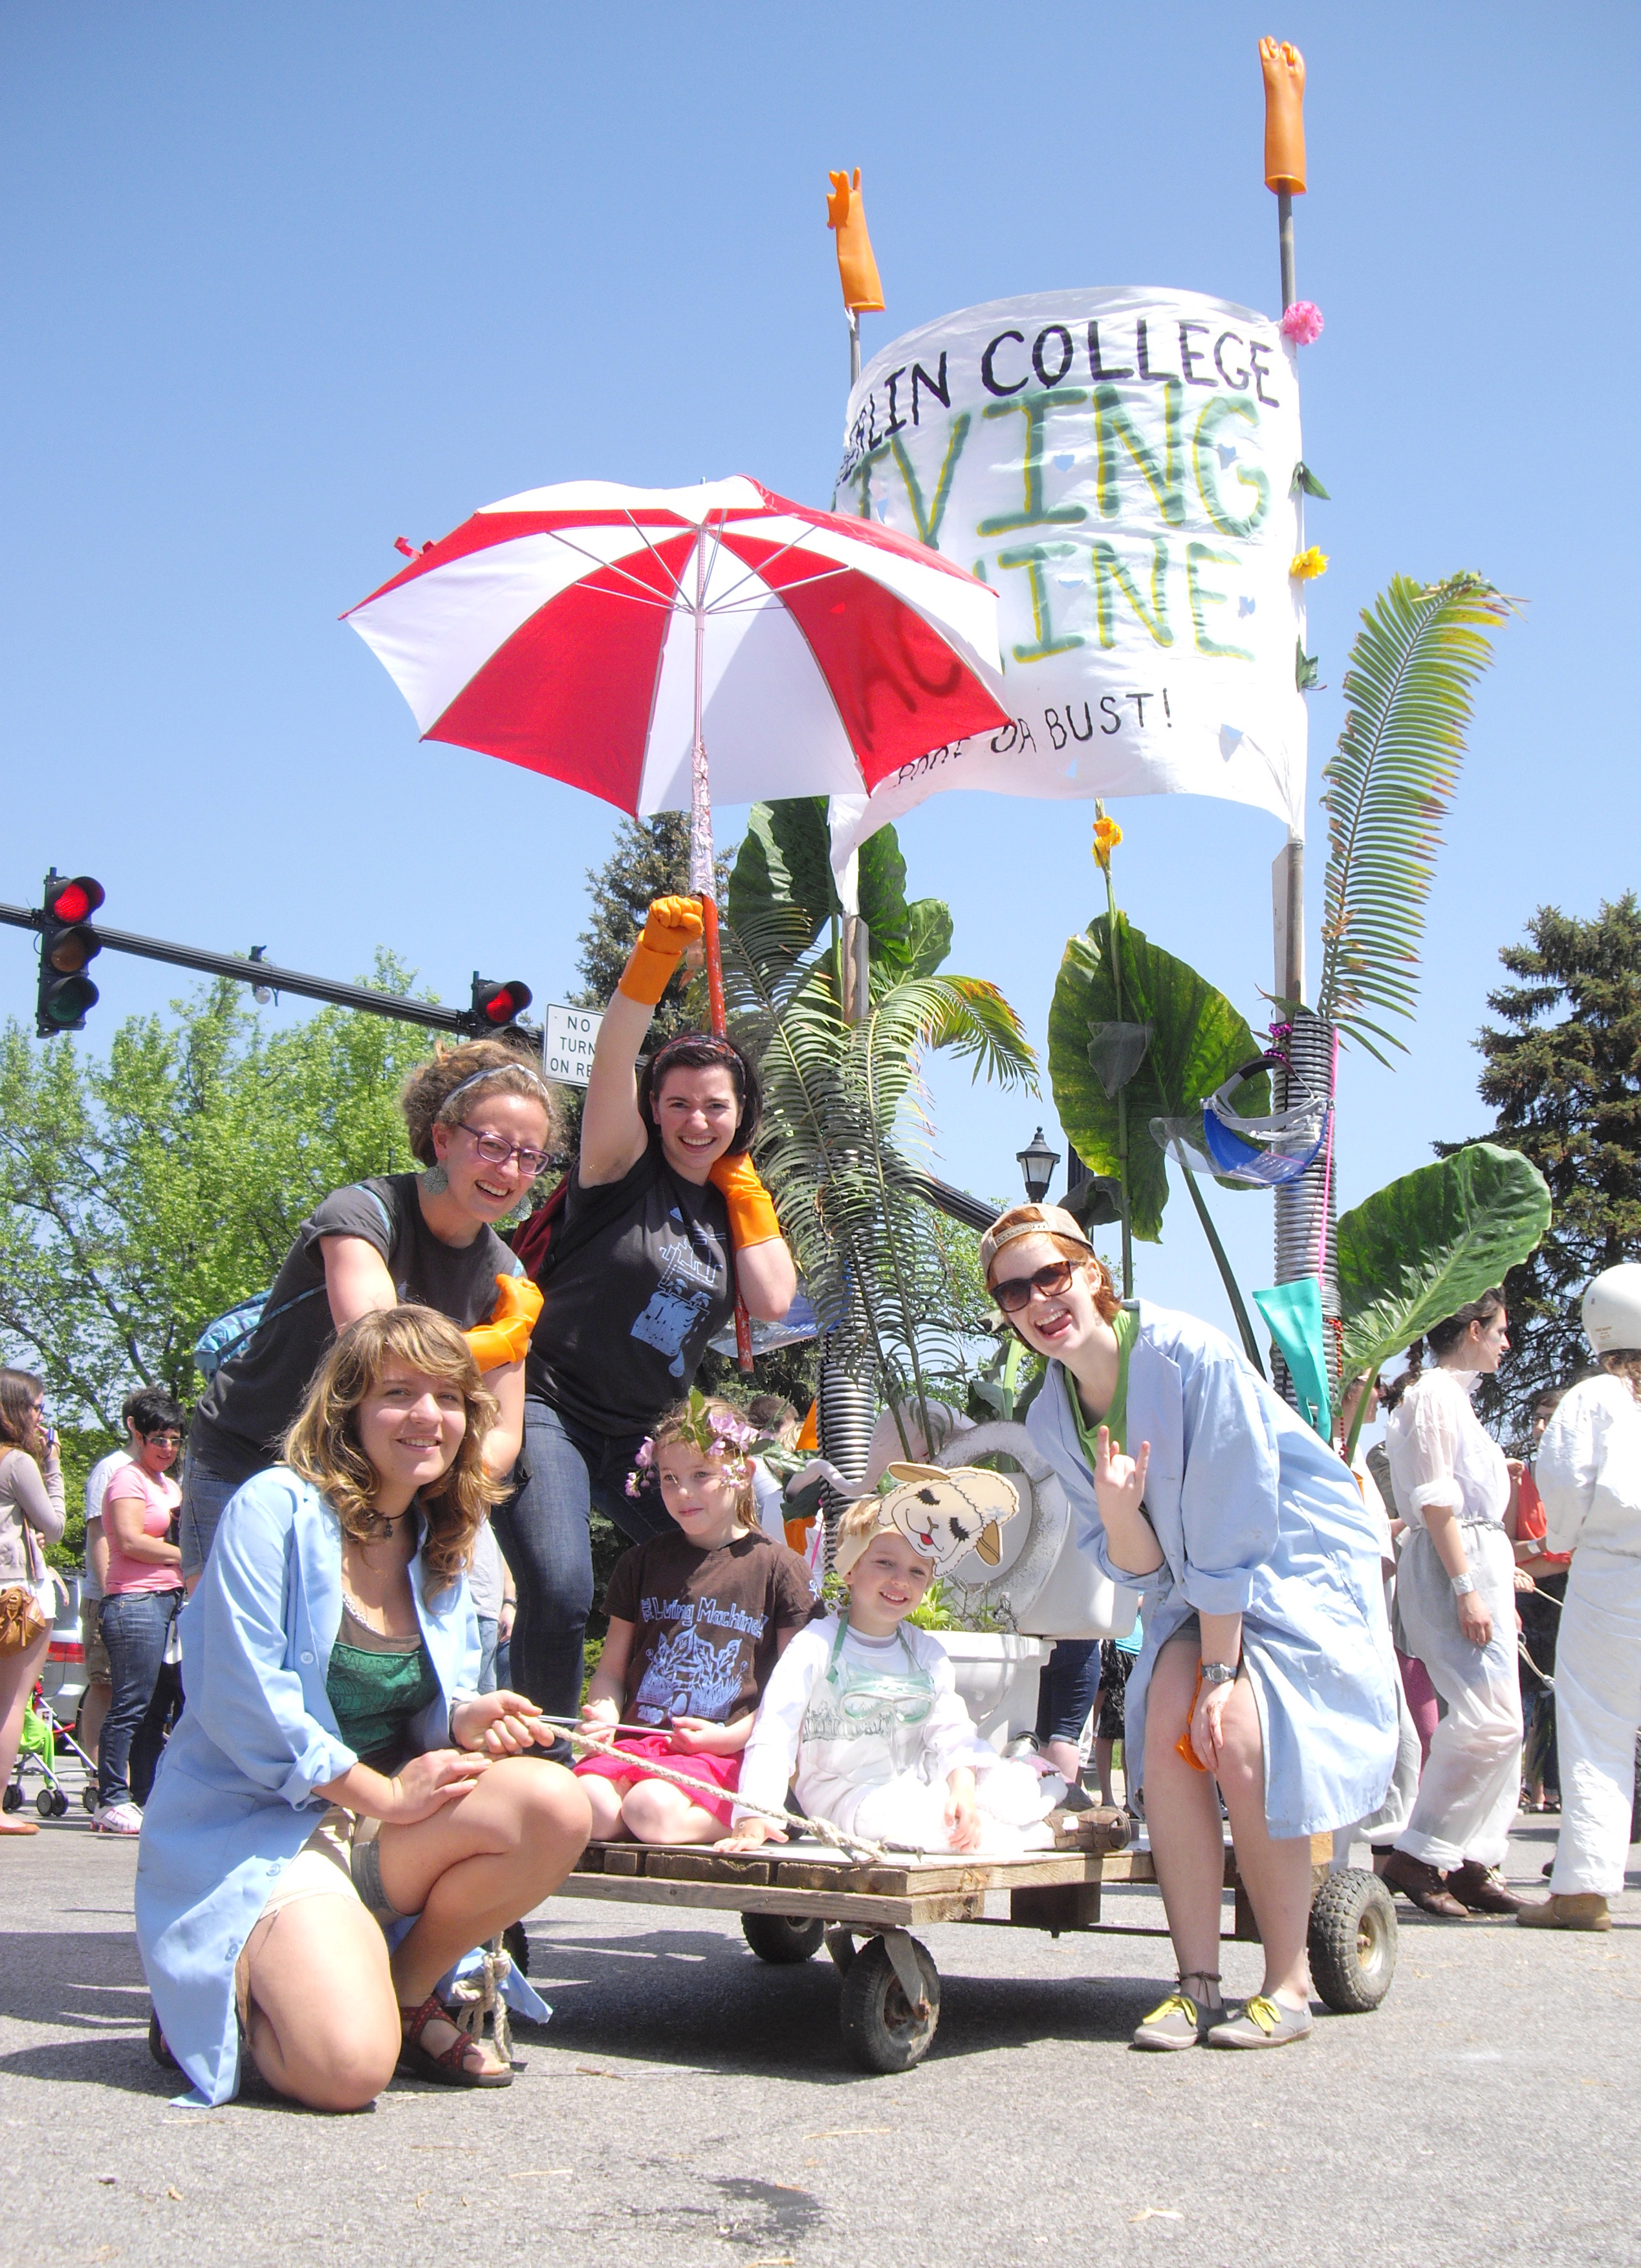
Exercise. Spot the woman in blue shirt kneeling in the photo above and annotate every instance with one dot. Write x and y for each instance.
(336, 1774)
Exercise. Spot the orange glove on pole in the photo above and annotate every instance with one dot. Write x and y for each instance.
(673, 925)
(503, 1337)
(858, 271)
(751, 1215)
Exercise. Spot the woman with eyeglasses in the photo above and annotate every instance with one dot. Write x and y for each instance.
(1264, 1662)
(664, 1219)
(142, 1595)
(483, 1121)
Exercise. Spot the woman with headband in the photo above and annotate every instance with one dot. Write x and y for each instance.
(1264, 1661)
(482, 1123)
(664, 1220)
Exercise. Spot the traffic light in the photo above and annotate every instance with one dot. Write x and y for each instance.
(67, 942)
(496, 1006)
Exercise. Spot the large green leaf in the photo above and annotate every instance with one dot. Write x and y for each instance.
(784, 860)
(1197, 1041)
(882, 887)
(1428, 1244)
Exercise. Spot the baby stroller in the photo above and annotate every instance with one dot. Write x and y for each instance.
(37, 1754)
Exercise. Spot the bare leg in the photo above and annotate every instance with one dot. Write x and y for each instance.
(93, 1709)
(657, 1812)
(324, 2024)
(1103, 1771)
(477, 1866)
(17, 1672)
(604, 1800)
(1276, 1873)
(1063, 1756)
(1182, 1813)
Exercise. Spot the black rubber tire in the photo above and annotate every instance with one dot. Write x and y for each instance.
(12, 1799)
(60, 1805)
(46, 1803)
(156, 2047)
(1353, 1941)
(88, 1797)
(879, 2029)
(781, 1940)
(515, 1939)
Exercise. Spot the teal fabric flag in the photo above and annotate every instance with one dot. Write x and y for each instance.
(1294, 1313)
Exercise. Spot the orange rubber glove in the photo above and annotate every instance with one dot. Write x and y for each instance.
(752, 1216)
(504, 1336)
(673, 923)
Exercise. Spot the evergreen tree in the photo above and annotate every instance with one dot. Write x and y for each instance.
(650, 859)
(1568, 1095)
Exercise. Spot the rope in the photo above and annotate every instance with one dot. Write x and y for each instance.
(822, 1830)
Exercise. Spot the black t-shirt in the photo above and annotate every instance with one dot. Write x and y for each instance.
(647, 1276)
(706, 1625)
(241, 1419)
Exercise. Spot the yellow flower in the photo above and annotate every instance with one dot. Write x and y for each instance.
(1108, 835)
(1307, 565)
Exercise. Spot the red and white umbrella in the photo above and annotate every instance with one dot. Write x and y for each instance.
(658, 646)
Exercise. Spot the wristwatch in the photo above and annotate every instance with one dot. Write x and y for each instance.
(1460, 1584)
(1218, 1673)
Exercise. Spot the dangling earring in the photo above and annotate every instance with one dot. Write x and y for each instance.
(435, 1181)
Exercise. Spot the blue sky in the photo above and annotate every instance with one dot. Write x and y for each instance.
(282, 284)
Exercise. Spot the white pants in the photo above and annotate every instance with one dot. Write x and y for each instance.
(1597, 1710)
(1472, 1781)
(1009, 1798)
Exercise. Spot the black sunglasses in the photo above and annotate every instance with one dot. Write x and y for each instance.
(1014, 1292)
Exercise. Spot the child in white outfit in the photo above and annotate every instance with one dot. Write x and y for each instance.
(864, 1708)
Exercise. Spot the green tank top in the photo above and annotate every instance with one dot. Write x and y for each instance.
(1125, 1325)
(377, 1685)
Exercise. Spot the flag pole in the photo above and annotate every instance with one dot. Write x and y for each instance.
(1284, 70)
(703, 881)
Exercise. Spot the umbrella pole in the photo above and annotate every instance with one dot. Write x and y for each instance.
(703, 883)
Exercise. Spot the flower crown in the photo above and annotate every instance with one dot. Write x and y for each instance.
(715, 1432)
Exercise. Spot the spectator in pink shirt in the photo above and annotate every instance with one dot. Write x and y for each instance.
(143, 1596)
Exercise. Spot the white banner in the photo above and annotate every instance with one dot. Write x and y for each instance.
(1120, 466)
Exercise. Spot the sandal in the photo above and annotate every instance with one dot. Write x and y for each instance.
(449, 2066)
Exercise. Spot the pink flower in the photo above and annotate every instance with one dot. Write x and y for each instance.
(632, 1484)
(646, 1454)
(1302, 323)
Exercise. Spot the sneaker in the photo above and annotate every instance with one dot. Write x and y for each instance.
(1178, 2022)
(1263, 2023)
(117, 1819)
(1568, 1909)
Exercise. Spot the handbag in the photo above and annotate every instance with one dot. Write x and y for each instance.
(22, 1619)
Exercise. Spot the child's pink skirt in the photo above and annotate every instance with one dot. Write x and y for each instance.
(656, 1748)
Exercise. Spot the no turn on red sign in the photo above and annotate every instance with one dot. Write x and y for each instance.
(568, 1039)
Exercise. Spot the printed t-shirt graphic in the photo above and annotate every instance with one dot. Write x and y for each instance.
(645, 1279)
(706, 1625)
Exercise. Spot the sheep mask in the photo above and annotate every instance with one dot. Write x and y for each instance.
(943, 1515)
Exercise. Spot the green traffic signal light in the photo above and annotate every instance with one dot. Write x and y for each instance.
(68, 941)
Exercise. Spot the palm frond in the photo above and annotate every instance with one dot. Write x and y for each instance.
(1388, 788)
(977, 1022)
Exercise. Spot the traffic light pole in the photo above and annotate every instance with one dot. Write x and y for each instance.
(244, 970)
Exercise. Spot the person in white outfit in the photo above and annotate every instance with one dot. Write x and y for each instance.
(1589, 1476)
(1456, 1586)
(864, 1709)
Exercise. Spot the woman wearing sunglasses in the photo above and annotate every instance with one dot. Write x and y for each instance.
(482, 1123)
(1264, 1667)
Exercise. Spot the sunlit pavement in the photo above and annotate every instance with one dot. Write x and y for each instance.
(688, 2104)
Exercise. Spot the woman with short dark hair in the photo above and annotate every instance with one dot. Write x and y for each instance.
(143, 1596)
(31, 1517)
(664, 1220)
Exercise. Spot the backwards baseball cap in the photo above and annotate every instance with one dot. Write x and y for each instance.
(1028, 1220)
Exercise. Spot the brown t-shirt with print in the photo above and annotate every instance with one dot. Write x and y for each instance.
(706, 1625)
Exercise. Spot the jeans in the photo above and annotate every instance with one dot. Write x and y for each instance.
(135, 1624)
(204, 1493)
(545, 1533)
(1066, 1686)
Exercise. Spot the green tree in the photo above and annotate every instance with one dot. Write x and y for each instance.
(143, 1194)
(1564, 1075)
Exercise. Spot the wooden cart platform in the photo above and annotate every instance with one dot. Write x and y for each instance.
(795, 1897)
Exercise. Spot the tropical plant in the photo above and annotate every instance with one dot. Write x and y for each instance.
(844, 1120)
(1427, 1244)
(1388, 787)
(1563, 1074)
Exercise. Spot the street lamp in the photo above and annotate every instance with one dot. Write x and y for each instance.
(1037, 1162)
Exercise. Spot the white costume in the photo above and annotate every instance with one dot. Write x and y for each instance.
(1589, 1476)
(1439, 1455)
(873, 1728)
(1384, 1825)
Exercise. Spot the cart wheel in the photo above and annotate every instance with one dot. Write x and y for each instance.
(1353, 1941)
(46, 1803)
(156, 2047)
(881, 2029)
(12, 1799)
(781, 1939)
(88, 1797)
(515, 1939)
(59, 1805)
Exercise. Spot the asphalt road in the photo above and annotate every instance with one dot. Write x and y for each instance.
(689, 2105)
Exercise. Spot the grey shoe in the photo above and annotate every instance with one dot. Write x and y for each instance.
(1263, 2023)
(1178, 2022)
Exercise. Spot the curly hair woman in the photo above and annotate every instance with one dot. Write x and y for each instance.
(336, 1779)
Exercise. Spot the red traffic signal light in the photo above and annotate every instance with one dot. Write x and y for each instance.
(496, 1006)
(67, 943)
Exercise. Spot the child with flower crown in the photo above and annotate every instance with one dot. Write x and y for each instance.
(698, 1618)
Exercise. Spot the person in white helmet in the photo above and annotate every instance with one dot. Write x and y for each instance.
(1589, 1476)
